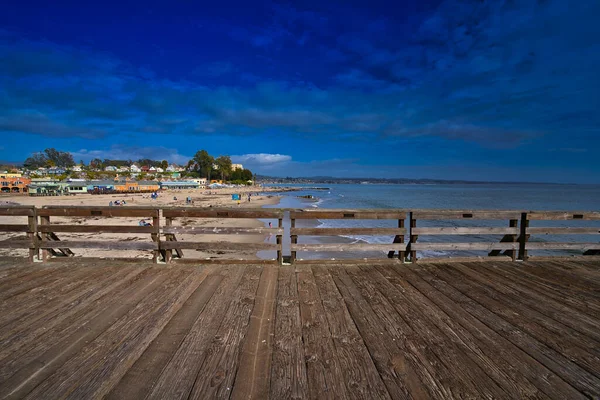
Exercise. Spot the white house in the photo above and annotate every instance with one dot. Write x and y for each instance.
(200, 181)
(172, 168)
(123, 169)
(235, 167)
(134, 168)
(151, 169)
(160, 170)
(111, 168)
(77, 168)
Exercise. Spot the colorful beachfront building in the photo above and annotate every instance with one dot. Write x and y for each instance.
(48, 188)
(14, 184)
(5, 174)
(136, 186)
(179, 185)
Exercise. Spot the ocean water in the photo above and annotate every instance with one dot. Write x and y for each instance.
(538, 197)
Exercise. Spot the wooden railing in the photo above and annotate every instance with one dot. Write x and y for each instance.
(508, 245)
(588, 248)
(171, 230)
(491, 233)
(50, 240)
(27, 226)
(397, 244)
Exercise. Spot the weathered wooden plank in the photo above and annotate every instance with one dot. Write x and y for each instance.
(217, 230)
(402, 366)
(30, 281)
(360, 373)
(253, 378)
(96, 228)
(561, 246)
(22, 342)
(76, 211)
(139, 380)
(555, 361)
(14, 228)
(288, 367)
(111, 245)
(323, 369)
(217, 246)
(466, 214)
(218, 371)
(347, 231)
(467, 378)
(348, 247)
(548, 285)
(545, 305)
(562, 231)
(17, 243)
(465, 231)
(29, 377)
(505, 356)
(180, 373)
(575, 346)
(349, 261)
(561, 215)
(99, 365)
(347, 214)
(465, 246)
(17, 211)
(222, 213)
(27, 306)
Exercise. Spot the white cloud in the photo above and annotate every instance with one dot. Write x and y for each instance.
(261, 159)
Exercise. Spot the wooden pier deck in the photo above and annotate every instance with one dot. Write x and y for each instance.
(94, 329)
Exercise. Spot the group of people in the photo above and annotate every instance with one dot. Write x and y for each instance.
(117, 203)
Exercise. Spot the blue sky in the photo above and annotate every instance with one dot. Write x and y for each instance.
(481, 90)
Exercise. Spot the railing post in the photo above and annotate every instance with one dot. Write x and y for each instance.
(413, 238)
(513, 223)
(44, 220)
(156, 235)
(168, 252)
(280, 243)
(32, 235)
(523, 237)
(294, 239)
(401, 253)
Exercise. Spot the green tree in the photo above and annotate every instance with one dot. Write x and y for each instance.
(36, 161)
(203, 163)
(224, 165)
(164, 164)
(246, 175)
(96, 163)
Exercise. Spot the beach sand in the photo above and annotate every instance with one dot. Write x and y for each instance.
(220, 198)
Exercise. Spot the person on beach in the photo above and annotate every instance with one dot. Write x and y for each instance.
(110, 204)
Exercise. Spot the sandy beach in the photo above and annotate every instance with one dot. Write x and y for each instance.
(172, 198)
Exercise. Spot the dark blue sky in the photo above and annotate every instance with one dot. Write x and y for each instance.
(484, 90)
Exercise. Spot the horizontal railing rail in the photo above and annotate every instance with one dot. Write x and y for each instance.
(170, 231)
(507, 245)
(514, 234)
(27, 225)
(397, 245)
(49, 240)
(532, 233)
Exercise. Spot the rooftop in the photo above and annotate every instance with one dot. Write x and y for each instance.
(93, 328)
